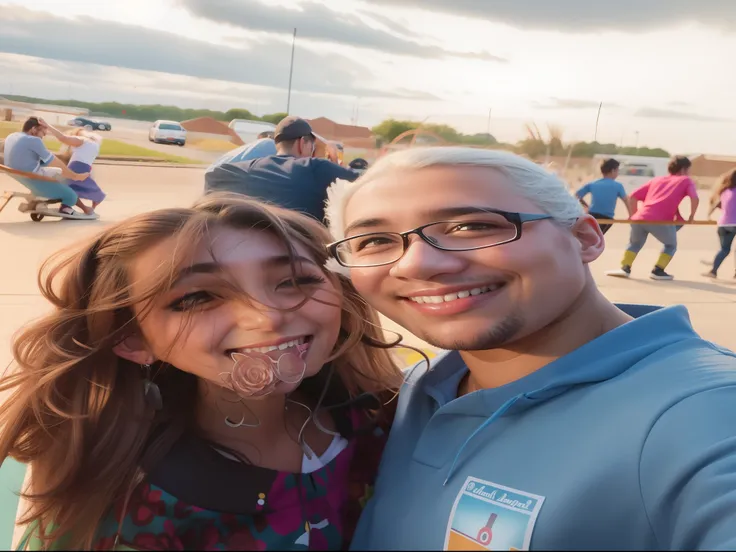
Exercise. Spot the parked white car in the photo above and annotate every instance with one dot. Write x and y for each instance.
(168, 132)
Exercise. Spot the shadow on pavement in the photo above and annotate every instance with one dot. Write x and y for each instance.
(726, 287)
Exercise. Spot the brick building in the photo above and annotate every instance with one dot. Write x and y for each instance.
(351, 136)
(207, 127)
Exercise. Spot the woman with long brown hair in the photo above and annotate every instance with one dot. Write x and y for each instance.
(203, 382)
(724, 197)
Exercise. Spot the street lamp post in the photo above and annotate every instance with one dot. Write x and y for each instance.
(291, 72)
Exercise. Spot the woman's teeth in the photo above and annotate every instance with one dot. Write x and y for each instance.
(281, 347)
(453, 296)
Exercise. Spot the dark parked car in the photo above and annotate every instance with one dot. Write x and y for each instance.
(90, 124)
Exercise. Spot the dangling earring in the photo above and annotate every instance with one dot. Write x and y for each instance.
(151, 392)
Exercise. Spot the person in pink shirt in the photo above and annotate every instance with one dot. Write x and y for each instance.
(725, 198)
(660, 200)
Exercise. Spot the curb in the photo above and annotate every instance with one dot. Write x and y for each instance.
(147, 163)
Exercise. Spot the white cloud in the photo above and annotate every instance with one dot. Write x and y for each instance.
(122, 45)
(584, 15)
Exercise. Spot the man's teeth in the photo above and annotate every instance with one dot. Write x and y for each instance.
(270, 348)
(453, 296)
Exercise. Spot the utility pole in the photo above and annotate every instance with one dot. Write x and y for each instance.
(637, 142)
(291, 72)
(488, 127)
(597, 119)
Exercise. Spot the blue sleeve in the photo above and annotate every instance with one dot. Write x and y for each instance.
(687, 473)
(621, 191)
(327, 172)
(582, 192)
(39, 148)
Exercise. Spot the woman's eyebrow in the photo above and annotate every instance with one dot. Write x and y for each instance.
(212, 267)
(197, 268)
(286, 260)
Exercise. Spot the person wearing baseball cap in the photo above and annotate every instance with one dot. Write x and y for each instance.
(292, 178)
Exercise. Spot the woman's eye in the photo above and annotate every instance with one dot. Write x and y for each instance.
(191, 301)
(301, 281)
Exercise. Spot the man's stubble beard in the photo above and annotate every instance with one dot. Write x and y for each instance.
(497, 336)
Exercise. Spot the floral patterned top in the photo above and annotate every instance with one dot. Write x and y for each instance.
(197, 499)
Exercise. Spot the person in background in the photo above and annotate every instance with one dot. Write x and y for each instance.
(555, 418)
(262, 147)
(25, 151)
(604, 193)
(359, 165)
(292, 178)
(82, 154)
(660, 199)
(724, 198)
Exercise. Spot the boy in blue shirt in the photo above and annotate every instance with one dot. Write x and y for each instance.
(555, 420)
(604, 193)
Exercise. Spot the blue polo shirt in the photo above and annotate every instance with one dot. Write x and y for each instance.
(294, 183)
(627, 443)
(604, 193)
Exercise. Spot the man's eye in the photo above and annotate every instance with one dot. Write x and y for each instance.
(474, 227)
(375, 241)
(191, 301)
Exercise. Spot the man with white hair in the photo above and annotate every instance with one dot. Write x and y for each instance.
(556, 420)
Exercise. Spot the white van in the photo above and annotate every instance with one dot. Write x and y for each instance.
(635, 170)
(167, 132)
(249, 130)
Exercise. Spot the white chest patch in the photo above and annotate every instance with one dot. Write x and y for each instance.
(488, 516)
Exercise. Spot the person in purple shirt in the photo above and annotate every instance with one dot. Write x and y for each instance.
(725, 199)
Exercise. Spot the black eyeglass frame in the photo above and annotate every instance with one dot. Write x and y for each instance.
(517, 219)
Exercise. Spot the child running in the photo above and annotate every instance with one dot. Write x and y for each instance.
(604, 193)
(725, 199)
(203, 383)
(660, 199)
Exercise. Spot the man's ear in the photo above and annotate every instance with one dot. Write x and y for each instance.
(588, 234)
(134, 349)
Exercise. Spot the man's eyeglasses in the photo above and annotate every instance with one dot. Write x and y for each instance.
(487, 228)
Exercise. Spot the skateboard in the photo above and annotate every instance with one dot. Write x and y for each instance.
(38, 208)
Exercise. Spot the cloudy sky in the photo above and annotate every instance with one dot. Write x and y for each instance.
(662, 68)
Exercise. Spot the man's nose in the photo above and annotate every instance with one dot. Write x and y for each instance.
(421, 261)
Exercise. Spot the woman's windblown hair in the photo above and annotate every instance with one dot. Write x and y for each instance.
(726, 181)
(77, 412)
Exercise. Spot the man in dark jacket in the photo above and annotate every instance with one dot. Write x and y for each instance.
(292, 178)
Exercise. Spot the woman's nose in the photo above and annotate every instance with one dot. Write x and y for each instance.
(258, 316)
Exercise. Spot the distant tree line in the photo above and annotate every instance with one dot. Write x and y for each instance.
(535, 146)
(152, 112)
(389, 129)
